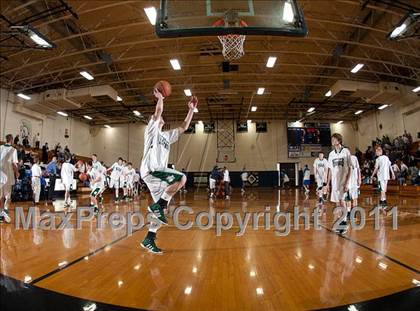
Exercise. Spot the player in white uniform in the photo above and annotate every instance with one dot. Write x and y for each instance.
(36, 180)
(136, 181)
(8, 172)
(320, 173)
(129, 180)
(116, 171)
(123, 180)
(339, 172)
(382, 168)
(354, 183)
(226, 182)
(67, 176)
(97, 185)
(244, 179)
(98, 168)
(162, 182)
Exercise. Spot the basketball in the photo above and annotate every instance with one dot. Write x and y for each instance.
(285, 167)
(164, 87)
(83, 177)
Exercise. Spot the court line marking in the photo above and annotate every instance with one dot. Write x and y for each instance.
(373, 250)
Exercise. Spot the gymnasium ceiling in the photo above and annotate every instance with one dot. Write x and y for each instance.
(115, 41)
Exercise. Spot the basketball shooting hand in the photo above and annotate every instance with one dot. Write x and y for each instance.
(192, 104)
(158, 94)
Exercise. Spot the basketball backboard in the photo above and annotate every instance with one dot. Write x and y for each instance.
(185, 18)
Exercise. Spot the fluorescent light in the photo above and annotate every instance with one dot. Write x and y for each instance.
(87, 117)
(254, 108)
(119, 99)
(120, 283)
(38, 40)
(328, 94)
(107, 126)
(382, 265)
(311, 109)
(259, 291)
(260, 90)
(398, 30)
(252, 273)
(175, 64)
(61, 113)
(188, 290)
(288, 15)
(194, 270)
(358, 112)
(383, 107)
(137, 113)
(416, 89)
(271, 61)
(87, 75)
(151, 14)
(357, 68)
(25, 97)
(359, 259)
(195, 110)
(311, 266)
(136, 267)
(340, 122)
(187, 92)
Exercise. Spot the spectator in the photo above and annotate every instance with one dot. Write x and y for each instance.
(52, 175)
(36, 141)
(21, 153)
(16, 141)
(45, 150)
(25, 142)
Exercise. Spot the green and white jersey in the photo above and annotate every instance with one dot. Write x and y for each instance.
(130, 175)
(97, 166)
(339, 163)
(117, 171)
(157, 145)
(96, 173)
(320, 169)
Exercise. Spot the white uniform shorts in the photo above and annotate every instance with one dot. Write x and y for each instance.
(353, 193)
(158, 181)
(338, 195)
(383, 185)
(115, 183)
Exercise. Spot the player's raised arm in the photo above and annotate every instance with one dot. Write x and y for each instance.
(159, 104)
(192, 104)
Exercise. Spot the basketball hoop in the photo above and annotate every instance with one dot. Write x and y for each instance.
(233, 45)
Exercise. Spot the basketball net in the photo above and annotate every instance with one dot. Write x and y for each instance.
(232, 44)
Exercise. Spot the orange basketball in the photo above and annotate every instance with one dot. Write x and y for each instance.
(83, 177)
(164, 87)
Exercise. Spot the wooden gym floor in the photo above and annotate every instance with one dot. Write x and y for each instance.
(308, 269)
